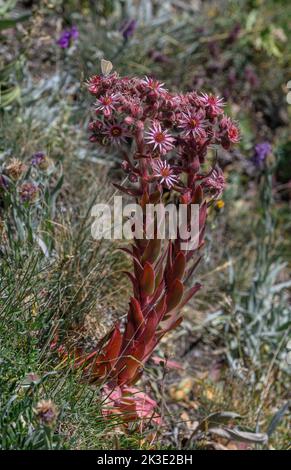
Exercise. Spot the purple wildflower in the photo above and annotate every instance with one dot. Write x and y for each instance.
(262, 150)
(67, 37)
(37, 158)
(74, 32)
(128, 28)
(40, 160)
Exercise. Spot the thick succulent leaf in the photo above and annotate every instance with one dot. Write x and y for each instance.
(112, 349)
(198, 195)
(130, 364)
(147, 281)
(136, 316)
(129, 334)
(170, 324)
(152, 251)
(189, 294)
(105, 361)
(159, 276)
(179, 266)
(150, 328)
(174, 295)
(161, 307)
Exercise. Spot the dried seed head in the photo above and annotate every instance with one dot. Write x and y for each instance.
(46, 412)
(28, 192)
(15, 169)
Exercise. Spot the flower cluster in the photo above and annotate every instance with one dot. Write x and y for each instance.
(26, 190)
(165, 140)
(172, 132)
(17, 175)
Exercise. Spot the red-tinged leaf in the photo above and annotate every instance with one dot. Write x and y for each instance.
(112, 349)
(186, 297)
(161, 259)
(150, 328)
(129, 334)
(147, 281)
(155, 298)
(189, 294)
(130, 191)
(136, 315)
(179, 266)
(159, 277)
(198, 195)
(169, 257)
(152, 251)
(171, 324)
(161, 307)
(107, 359)
(174, 295)
(155, 197)
(150, 346)
(129, 366)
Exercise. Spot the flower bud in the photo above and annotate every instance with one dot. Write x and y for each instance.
(125, 166)
(133, 178)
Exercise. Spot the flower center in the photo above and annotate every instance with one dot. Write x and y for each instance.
(165, 172)
(107, 100)
(193, 123)
(233, 133)
(116, 131)
(159, 137)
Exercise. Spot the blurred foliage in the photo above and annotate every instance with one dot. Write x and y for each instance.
(259, 325)
(9, 92)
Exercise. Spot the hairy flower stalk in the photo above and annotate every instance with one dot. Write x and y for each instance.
(165, 138)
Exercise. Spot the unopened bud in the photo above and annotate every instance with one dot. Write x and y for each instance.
(125, 166)
(133, 178)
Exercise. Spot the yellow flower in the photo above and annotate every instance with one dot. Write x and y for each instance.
(219, 204)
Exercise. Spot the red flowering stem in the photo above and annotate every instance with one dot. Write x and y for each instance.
(169, 135)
